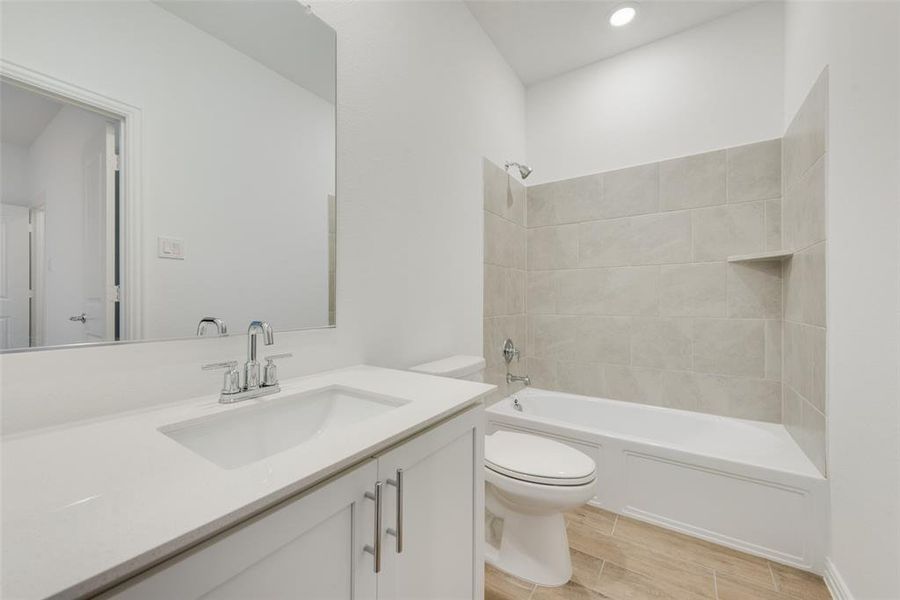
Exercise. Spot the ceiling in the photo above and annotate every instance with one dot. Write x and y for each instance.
(544, 38)
(24, 115)
(280, 34)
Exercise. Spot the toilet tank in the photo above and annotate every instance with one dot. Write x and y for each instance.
(458, 367)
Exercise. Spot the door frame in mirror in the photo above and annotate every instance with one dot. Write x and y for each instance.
(130, 120)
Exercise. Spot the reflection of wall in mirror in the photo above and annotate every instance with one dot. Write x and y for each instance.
(229, 147)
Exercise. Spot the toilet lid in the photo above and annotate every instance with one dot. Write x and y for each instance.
(537, 459)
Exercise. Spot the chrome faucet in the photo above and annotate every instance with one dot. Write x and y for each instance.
(232, 390)
(510, 352)
(510, 378)
(251, 367)
(221, 327)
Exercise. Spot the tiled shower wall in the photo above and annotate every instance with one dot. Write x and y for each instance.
(629, 294)
(504, 273)
(805, 160)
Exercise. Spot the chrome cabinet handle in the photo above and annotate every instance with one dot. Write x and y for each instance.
(398, 533)
(82, 317)
(376, 550)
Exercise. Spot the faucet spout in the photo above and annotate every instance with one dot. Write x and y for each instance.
(251, 367)
(256, 327)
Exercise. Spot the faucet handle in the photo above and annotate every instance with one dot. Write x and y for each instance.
(231, 384)
(270, 371)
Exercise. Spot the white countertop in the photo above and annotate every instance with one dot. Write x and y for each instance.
(88, 503)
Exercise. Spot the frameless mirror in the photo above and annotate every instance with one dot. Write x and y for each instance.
(164, 163)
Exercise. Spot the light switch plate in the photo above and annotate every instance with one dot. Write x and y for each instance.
(169, 247)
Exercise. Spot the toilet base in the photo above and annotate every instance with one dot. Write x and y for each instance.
(534, 548)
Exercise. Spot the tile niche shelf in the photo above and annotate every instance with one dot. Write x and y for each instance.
(761, 256)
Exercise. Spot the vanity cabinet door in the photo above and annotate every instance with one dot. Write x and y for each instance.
(309, 547)
(442, 520)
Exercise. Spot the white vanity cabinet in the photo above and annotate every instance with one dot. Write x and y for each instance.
(321, 544)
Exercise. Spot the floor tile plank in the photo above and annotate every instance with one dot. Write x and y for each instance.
(500, 586)
(687, 580)
(687, 548)
(800, 584)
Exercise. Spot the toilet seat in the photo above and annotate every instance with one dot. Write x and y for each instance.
(537, 460)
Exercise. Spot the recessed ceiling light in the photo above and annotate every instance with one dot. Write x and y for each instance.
(622, 15)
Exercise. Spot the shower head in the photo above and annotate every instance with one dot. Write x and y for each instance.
(524, 170)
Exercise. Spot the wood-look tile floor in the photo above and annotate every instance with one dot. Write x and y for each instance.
(624, 559)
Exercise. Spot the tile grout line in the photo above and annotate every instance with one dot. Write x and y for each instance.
(715, 585)
(612, 531)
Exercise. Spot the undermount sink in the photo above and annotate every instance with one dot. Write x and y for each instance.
(261, 429)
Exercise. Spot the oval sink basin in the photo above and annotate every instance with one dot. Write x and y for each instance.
(247, 434)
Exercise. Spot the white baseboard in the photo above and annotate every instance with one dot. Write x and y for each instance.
(835, 583)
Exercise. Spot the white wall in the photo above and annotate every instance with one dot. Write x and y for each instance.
(56, 181)
(14, 183)
(714, 86)
(232, 152)
(859, 42)
(422, 96)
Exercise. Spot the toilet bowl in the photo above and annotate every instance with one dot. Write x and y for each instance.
(530, 481)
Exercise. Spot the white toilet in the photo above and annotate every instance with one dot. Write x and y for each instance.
(530, 481)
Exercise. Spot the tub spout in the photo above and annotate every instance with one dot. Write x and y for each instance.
(510, 378)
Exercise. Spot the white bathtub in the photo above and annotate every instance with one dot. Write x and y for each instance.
(743, 484)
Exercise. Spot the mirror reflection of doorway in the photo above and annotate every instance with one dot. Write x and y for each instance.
(58, 221)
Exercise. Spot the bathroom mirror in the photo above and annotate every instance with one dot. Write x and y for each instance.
(163, 162)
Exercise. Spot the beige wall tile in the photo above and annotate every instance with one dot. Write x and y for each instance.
(605, 243)
(553, 247)
(754, 171)
(504, 242)
(817, 392)
(813, 427)
(773, 225)
(552, 337)
(603, 339)
(567, 201)
(805, 208)
(540, 297)
(806, 425)
(503, 195)
(662, 343)
(515, 292)
(813, 281)
(730, 346)
(611, 292)
(582, 378)
(543, 373)
(693, 290)
(494, 290)
(754, 290)
(723, 231)
(791, 289)
(773, 349)
(692, 181)
(663, 238)
(633, 384)
(805, 139)
(740, 397)
(632, 191)
(791, 410)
